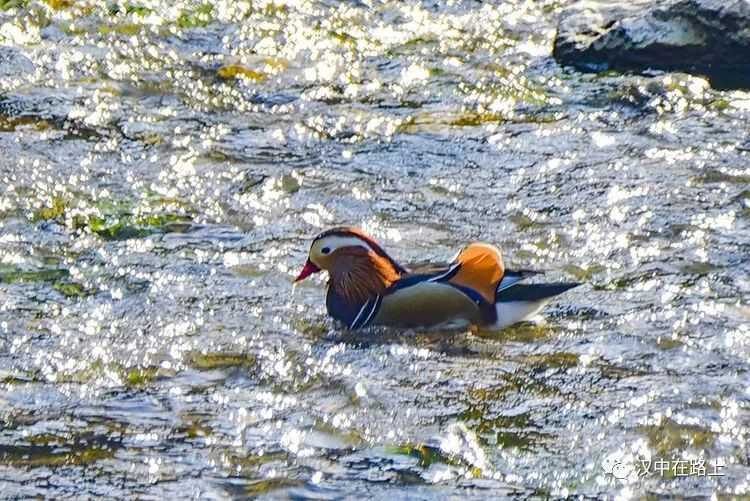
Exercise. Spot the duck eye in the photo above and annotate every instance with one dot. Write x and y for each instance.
(325, 250)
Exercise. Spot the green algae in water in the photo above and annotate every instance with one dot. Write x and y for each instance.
(476, 418)
(133, 377)
(269, 485)
(521, 381)
(346, 439)
(128, 227)
(506, 431)
(522, 440)
(250, 463)
(18, 378)
(84, 375)
(120, 224)
(231, 71)
(699, 268)
(553, 241)
(56, 210)
(198, 18)
(161, 221)
(525, 332)
(668, 343)
(70, 289)
(48, 456)
(10, 274)
(195, 427)
(524, 222)
(289, 183)
(139, 377)
(211, 361)
(115, 220)
(13, 4)
(343, 38)
(584, 274)
(427, 455)
(515, 431)
(130, 8)
(510, 431)
(127, 29)
(720, 104)
(311, 328)
(249, 467)
(474, 119)
(561, 360)
(717, 176)
(437, 121)
(117, 229)
(669, 437)
(79, 448)
(60, 4)
(11, 124)
(118, 219)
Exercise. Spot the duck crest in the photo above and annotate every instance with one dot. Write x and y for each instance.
(345, 231)
(360, 275)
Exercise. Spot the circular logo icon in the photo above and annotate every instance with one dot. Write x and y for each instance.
(621, 470)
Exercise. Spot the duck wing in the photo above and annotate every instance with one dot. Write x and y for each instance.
(465, 289)
(425, 303)
(511, 278)
(422, 298)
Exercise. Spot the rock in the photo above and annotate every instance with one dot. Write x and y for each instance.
(13, 63)
(703, 37)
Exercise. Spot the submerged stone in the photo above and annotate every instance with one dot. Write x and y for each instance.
(704, 37)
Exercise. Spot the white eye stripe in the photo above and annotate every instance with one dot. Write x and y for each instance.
(336, 242)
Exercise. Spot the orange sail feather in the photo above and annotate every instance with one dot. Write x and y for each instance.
(481, 269)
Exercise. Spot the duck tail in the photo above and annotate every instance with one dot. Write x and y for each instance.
(532, 292)
(523, 301)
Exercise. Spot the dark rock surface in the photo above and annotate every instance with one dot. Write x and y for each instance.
(704, 37)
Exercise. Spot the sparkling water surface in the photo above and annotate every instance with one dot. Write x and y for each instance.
(165, 164)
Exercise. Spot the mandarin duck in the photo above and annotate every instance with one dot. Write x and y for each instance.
(368, 287)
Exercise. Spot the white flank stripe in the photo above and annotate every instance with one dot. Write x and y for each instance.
(356, 319)
(508, 282)
(440, 277)
(372, 311)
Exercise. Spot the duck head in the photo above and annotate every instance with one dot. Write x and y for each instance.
(357, 266)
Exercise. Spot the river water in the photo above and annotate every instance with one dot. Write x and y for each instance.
(165, 165)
